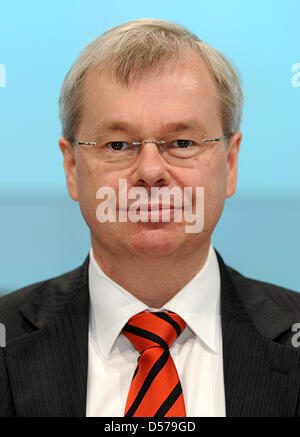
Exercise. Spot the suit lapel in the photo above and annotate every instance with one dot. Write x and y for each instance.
(48, 366)
(261, 375)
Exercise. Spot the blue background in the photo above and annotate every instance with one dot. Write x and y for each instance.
(42, 233)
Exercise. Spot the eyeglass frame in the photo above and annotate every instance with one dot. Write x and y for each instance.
(158, 143)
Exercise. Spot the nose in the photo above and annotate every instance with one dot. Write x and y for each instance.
(150, 168)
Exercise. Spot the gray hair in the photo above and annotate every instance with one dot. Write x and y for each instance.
(132, 49)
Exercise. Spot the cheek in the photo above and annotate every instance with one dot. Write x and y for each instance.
(216, 189)
(216, 172)
(211, 174)
(89, 179)
(85, 180)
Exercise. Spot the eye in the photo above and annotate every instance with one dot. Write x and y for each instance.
(118, 145)
(182, 144)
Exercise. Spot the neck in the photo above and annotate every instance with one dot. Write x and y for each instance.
(153, 281)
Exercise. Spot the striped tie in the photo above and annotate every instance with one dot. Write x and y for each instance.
(155, 387)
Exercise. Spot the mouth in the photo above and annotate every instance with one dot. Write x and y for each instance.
(152, 207)
(153, 212)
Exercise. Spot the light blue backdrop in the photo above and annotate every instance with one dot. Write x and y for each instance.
(41, 230)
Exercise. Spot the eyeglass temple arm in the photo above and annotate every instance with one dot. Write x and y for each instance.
(86, 143)
(215, 139)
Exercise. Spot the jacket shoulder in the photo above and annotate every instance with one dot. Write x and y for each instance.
(17, 297)
(42, 294)
(283, 297)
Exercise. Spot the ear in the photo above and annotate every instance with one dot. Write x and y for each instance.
(232, 163)
(69, 166)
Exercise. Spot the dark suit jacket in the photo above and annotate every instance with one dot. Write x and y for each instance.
(43, 368)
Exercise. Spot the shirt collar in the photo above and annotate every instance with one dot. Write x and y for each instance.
(198, 303)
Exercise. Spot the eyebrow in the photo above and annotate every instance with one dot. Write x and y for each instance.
(111, 126)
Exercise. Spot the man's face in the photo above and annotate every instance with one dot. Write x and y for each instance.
(181, 94)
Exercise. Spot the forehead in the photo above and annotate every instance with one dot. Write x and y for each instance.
(180, 93)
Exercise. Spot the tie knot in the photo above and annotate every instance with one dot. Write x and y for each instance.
(146, 330)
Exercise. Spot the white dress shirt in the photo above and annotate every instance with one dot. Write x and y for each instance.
(197, 352)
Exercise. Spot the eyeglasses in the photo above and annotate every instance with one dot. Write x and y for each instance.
(180, 152)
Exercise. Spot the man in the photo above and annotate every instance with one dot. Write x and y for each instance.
(148, 105)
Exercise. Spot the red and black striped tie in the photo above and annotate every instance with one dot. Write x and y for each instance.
(155, 389)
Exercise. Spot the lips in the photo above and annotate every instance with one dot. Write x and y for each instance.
(152, 207)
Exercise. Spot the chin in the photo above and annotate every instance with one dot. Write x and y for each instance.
(155, 241)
